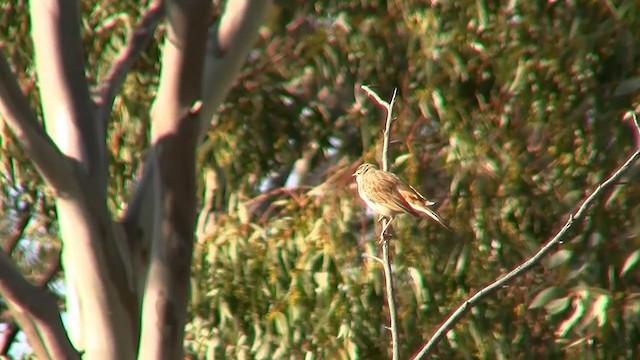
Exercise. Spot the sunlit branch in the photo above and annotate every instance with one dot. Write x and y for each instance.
(22, 121)
(574, 219)
(136, 43)
(386, 224)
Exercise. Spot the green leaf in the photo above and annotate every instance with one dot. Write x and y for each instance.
(631, 261)
(559, 258)
(599, 309)
(573, 320)
(544, 297)
(558, 305)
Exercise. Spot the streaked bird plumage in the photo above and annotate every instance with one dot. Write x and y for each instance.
(388, 195)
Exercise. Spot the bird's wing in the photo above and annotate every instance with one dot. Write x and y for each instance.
(425, 200)
(419, 204)
(385, 191)
(400, 200)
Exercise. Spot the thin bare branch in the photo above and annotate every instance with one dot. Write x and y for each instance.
(21, 223)
(387, 132)
(388, 279)
(40, 306)
(136, 43)
(387, 129)
(29, 328)
(8, 336)
(521, 269)
(373, 257)
(386, 224)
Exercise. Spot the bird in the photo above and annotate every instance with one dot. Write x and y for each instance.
(388, 195)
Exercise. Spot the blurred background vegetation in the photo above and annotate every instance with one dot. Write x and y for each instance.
(508, 114)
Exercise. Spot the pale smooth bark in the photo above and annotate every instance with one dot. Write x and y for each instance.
(115, 288)
(99, 291)
(174, 134)
(37, 313)
(228, 44)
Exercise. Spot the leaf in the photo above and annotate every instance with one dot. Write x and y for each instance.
(344, 331)
(568, 324)
(558, 305)
(544, 297)
(281, 324)
(401, 159)
(322, 281)
(560, 257)
(599, 309)
(418, 285)
(631, 261)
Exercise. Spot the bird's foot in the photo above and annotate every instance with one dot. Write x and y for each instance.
(385, 234)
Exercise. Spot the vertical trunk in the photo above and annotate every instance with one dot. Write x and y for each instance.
(175, 137)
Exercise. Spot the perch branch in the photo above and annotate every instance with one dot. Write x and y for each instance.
(384, 235)
(534, 260)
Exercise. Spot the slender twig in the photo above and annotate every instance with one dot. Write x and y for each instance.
(35, 308)
(8, 337)
(384, 235)
(21, 223)
(534, 260)
(136, 43)
(388, 279)
(11, 331)
(373, 257)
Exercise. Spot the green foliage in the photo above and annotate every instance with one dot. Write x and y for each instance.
(508, 114)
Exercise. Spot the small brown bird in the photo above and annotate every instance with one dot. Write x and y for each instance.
(388, 195)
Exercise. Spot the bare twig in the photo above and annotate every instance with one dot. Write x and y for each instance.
(21, 223)
(136, 43)
(387, 129)
(373, 257)
(429, 347)
(388, 279)
(384, 235)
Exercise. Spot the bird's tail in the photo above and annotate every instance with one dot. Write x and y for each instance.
(425, 210)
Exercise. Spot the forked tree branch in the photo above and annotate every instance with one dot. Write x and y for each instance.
(136, 43)
(67, 108)
(228, 44)
(22, 121)
(384, 234)
(37, 312)
(9, 335)
(521, 269)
